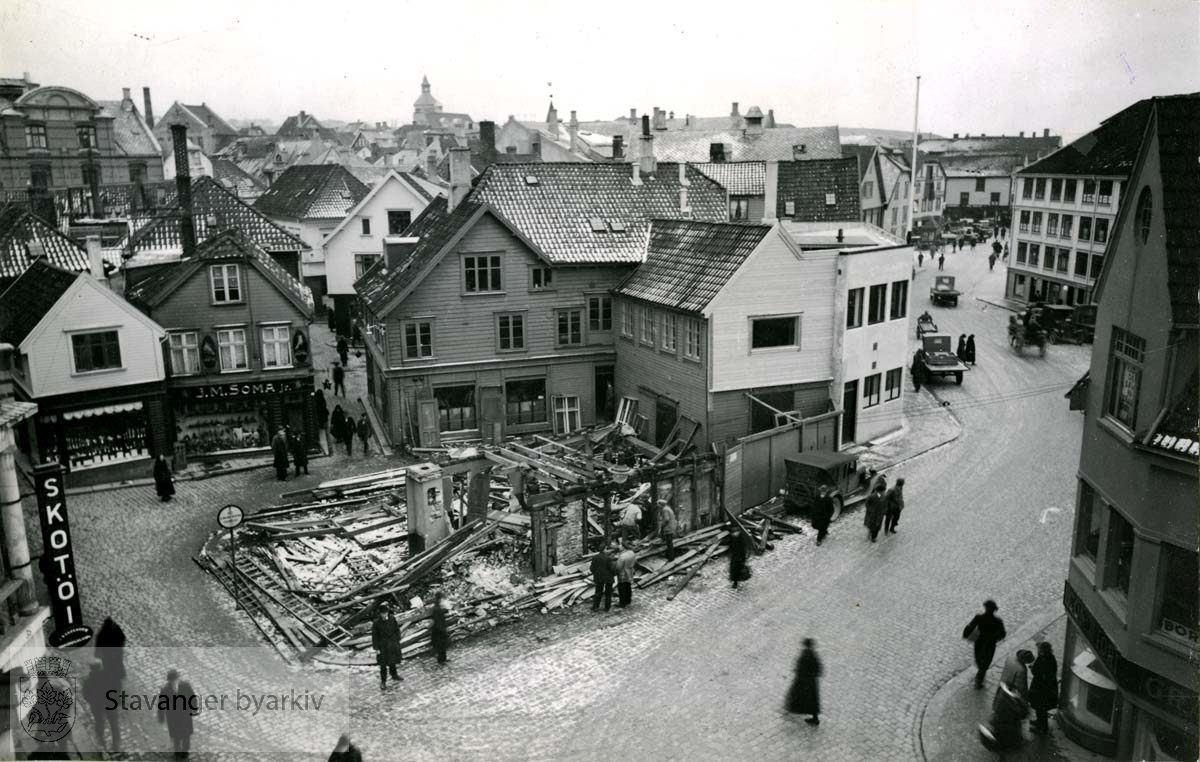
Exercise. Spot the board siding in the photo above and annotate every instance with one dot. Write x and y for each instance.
(341, 249)
(730, 414)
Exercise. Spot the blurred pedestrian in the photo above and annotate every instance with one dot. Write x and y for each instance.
(110, 647)
(164, 482)
(972, 243)
(997, 247)
(1043, 688)
(822, 512)
(625, 563)
(804, 697)
(99, 683)
(1015, 675)
(873, 516)
(954, 244)
(345, 751)
(439, 633)
(995, 231)
(893, 506)
(299, 445)
(339, 380)
(343, 350)
(667, 526)
(941, 261)
(985, 630)
(385, 639)
(739, 552)
(320, 409)
(1003, 232)
(603, 568)
(279, 446)
(364, 432)
(970, 359)
(177, 704)
(920, 259)
(961, 352)
(991, 262)
(1003, 731)
(1006, 252)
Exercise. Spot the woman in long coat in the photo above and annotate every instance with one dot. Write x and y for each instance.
(738, 551)
(164, 484)
(1043, 688)
(971, 349)
(804, 697)
(279, 446)
(962, 347)
(335, 424)
(873, 516)
(439, 633)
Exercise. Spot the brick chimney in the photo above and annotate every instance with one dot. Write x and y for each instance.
(552, 120)
(431, 162)
(733, 110)
(460, 176)
(183, 191)
(573, 131)
(633, 115)
(1022, 133)
(487, 142)
(618, 147)
(660, 119)
(770, 118)
(147, 107)
(1046, 132)
(126, 100)
(956, 136)
(95, 257)
(396, 250)
(646, 161)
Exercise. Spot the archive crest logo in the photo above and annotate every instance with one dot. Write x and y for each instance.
(48, 698)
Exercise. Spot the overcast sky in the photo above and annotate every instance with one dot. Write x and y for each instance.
(991, 67)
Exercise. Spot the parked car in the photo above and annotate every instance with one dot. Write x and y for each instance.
(807, 472)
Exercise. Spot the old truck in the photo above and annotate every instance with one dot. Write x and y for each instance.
(940, 359)
(943, 291)
(807, 472)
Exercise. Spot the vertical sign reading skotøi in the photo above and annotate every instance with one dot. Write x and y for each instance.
(58, 563)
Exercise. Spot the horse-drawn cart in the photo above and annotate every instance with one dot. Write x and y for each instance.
(1021, 335)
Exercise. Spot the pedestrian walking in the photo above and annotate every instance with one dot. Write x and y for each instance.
(961, 352)
(320, 409)
(176, 704)
(336, 420)
(991, 262)
(299, 445)
(1003, 730)
(364, 432)
(941, 261)
(970, 350)
(343, 350)
(1043, 688)
(385, 639)
(164, 482)
(110, 647)
(1006, 252)
(439, 633)
(822, 512)
(804, 697)
(348, 429)
(279, 446)
(893, 506)
(667, 526)
(985, 630)
(1015, 675)
(631, 515)
(339, 380)
(873, 516)
(96, 688)
(920, 259)
(625, 563)
(603, 568)
(972, 244)
(954, 244)
(345, 751)
(997, 248)
(919, 369)
(739, 552)
(995, 231)
(1003, 231)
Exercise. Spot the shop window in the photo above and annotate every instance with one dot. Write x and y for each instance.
(875, 309)
(96, 351)
(854, 307)
(892, 384)
(899, 300)
(1166, 743)
(1087, 528)
(418, 339)
(276, 346)
(398, 221)
(871, 390)
(1124, 377)
(570, 328)
(94, 437)
(456, 407)
(600, 313)
(670, 332)
(231, 343)
(226, 283)
(1178, 594)
(35, 136)
(364, 262)
(1119, 553)
(510, 332)
(481, 274)
(769, 332)
(185, 352)
(541, 278)
(693, 337)
(525, 401)
(1090, 691)
(566, 414)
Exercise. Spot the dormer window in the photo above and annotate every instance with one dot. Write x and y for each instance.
(799, 150)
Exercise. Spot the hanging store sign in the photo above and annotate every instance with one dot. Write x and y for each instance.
(247, 389)
(58, 563)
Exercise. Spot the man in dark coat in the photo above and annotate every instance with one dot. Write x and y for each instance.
(1043, 688)
(335, 425)
(299, 447)
(339, 380)
(822, 512)
(104, 712)
(893, 506)
(919, 369)
(941, 261)
(110, 647)
(1015, 675)
(626, 560)
(873, 516)
(603, 569)
(177, 704)
(804, 697)
(439, 634)
(385, 639)
(739, 550)
(961, 352)
(343, 350)
(987, 629)
(279, 446)
(348, 434)
(164, 484)
(320, 408)
(364, 432)
(971, 349)
(345, 751)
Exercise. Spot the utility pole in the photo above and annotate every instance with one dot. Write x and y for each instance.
(912, 174)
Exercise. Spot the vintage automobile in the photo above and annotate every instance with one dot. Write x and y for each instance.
(807, 472)
(943, 291)
(940, 359)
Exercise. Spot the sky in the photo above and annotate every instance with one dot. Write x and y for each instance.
(985, 67)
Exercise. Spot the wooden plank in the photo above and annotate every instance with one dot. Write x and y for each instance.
(708, 554)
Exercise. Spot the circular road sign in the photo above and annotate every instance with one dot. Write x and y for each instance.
(230, 516)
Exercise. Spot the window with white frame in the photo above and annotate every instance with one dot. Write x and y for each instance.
(1037, 222)
(1101, 234)
(541, 278)
(600, 313)
(481, 274)
(510, 332)
(231, 343)
(1051, 225)
(418, 339)
(1056, 186)
(1039, 188)
(1064, 227)
(276, 346)
(1104, 197)
(566, 414)
(1027, 188)
(100, 350)
(1124, 377)
(226, 281)
(1022, 250)
(1085, 228)
(1024, 221)
(366, 225)
(892, 384)
(980, 185)
(185, 352)
(1069, 190)
(854, 307)
(1089, 191)
(693, 336)
(877, 304)
(627, 319)
(364, 262)
(570, 327)
(1035, 253)
(899, 300)
(35, 136)
(647, 325)
(670, 332)
(775, 331)
(871, 390)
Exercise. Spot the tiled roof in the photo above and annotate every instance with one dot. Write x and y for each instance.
(228, 244)
(740, 178)
(18, 226)
(1110, 149)
(435, 227)
(1178, 151)
(1177, 431)
(980, 144)
(210, 118)
(981, 165)
(807, 184)
(418, 186)
(211, 202)
(863, 153)
(132, 136)
(295, 126)
(30, 297)
(231, 176)
(325, 191)
(688, 262)
(777, 144)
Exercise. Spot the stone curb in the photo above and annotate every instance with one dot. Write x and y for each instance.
(998, 304)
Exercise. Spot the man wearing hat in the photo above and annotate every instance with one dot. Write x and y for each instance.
(893, 505)
(667, 527)
(986, 630)
(385, 639)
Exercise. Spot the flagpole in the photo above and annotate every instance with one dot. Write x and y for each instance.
(912, 196)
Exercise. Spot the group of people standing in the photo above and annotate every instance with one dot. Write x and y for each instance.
(385, 639)
(884, 506)
(287, 442)
(966, 349)
(343, 428)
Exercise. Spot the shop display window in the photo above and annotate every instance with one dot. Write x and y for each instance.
(221, 425)
(1089, 688)
(1167, 743)
(95, 437)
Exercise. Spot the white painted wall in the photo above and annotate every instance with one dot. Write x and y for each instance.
(774, 281)
(86, 306)
(956, 186)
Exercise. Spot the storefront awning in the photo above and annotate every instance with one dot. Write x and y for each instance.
(124, 407)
